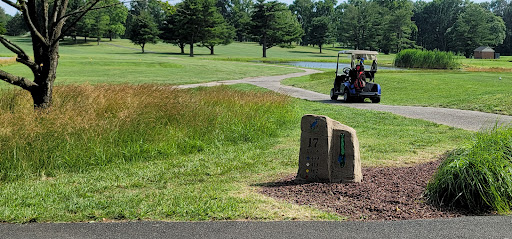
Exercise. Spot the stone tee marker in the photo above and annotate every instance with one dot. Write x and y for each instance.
(329, 151)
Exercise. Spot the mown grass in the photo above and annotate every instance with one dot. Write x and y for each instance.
(413, 58)
(479, 91)
(89, 63)
(477, 177)
(150, 152)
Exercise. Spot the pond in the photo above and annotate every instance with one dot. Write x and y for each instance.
(332, 65)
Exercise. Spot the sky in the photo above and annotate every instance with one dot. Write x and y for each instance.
(12, 11)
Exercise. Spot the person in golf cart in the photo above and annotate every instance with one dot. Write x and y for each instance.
(352, 82)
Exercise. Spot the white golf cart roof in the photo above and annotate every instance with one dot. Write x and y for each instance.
(359, 54)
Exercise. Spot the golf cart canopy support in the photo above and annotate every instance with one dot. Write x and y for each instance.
(358, 55)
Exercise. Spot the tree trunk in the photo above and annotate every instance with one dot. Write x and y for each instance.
(191, 50)
(211, 50)
(142, 46)
(182, 47)
(85, 39)
(264, 49)
(320, 45)
(42, 93)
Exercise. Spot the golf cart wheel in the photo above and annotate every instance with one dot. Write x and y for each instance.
(346, 96)
(333, 96)
(375, 100)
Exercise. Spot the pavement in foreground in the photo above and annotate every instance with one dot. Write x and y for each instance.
(464, 227)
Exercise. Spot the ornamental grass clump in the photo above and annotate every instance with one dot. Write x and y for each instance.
(412, 58)
(478, 177)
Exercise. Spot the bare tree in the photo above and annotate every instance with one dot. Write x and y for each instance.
(46, 20)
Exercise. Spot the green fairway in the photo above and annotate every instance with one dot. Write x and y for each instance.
(113, 64)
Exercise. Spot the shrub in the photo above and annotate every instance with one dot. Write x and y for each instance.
(412, 58)
(478, 177)
(95, 126)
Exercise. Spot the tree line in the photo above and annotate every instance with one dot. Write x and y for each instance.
(384, 25)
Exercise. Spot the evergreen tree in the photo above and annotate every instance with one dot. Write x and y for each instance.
(241, 18)
(143, 30)
(273, 24)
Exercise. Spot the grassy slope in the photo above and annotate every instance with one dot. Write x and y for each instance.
(214, 183)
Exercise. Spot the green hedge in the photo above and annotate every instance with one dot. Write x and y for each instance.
(412, 58)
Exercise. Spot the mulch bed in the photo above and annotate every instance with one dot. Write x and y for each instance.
(384, 194)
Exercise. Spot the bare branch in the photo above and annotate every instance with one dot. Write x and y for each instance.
(60, 7)
(17, 80)
(56, 10)
(31, 25)
(82, 11)
(45, 19)
(22, 57)
(12, 47)
(12, 4)
(87, 10)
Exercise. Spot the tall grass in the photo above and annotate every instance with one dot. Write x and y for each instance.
(413, 58)
(91, 126)
(478, 177)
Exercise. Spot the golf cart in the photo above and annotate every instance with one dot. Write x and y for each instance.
(354, 82)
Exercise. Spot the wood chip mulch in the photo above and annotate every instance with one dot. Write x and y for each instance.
(385, 194)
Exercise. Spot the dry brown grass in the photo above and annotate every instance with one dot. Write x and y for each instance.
(7, 60)
(91, 125)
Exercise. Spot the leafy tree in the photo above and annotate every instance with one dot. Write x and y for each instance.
(321, 29)
(273, 24)
(433, 20)
(95, 24)
(397, 26)
(498, 7)
(117, 19)
(320, 32)
(157, 9)
(143, 30)
(303, 9)
(362, 24)
(174, 32)
(47, 21)
(476, 27)
(506, 47)
(17, 26)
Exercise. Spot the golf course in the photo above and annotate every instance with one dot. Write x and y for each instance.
(122, 143)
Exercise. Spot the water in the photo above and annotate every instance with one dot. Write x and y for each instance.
(330, 65)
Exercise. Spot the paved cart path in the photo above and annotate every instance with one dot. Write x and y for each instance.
(465, 119)
(464, 227)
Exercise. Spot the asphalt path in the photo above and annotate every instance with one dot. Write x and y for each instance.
(464, 227)
(465, 119)
(499, 227)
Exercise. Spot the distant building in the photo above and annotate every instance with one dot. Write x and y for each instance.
(484, 52)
